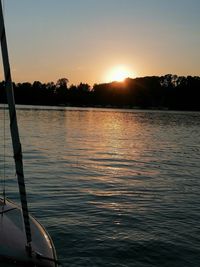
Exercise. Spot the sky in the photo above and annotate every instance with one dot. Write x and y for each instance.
(85, 40)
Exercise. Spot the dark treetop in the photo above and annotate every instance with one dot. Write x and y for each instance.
(164, 92)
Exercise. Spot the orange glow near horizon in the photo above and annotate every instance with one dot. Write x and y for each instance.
(119, 74)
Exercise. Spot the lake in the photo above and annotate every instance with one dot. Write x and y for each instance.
(112, 187)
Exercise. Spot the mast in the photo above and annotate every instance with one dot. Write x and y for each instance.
(14, 129)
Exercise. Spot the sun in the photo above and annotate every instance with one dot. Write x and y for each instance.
(119, 74)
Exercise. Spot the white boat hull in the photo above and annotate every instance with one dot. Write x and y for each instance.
(13, 251)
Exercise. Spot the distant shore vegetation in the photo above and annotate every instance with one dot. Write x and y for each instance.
(152, 92)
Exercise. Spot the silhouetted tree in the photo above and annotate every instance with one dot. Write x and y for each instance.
(61, 91)
(62, 83)
(168, 91)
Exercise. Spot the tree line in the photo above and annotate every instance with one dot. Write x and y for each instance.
(154, 92)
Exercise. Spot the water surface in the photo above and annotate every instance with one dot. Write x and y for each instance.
(112, 187)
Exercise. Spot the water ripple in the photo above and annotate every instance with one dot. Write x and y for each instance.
(113, 188)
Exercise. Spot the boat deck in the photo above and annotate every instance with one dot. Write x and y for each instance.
(13, 245)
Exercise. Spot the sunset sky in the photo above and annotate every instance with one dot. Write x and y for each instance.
(86, 40)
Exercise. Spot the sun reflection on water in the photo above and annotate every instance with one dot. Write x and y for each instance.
(114, 183)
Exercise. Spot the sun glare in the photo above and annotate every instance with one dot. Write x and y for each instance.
(119, 74)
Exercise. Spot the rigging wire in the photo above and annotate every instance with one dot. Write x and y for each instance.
(4, 153)
(4, 140)
(17, 150)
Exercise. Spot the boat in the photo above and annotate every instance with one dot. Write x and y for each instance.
(23, 240)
